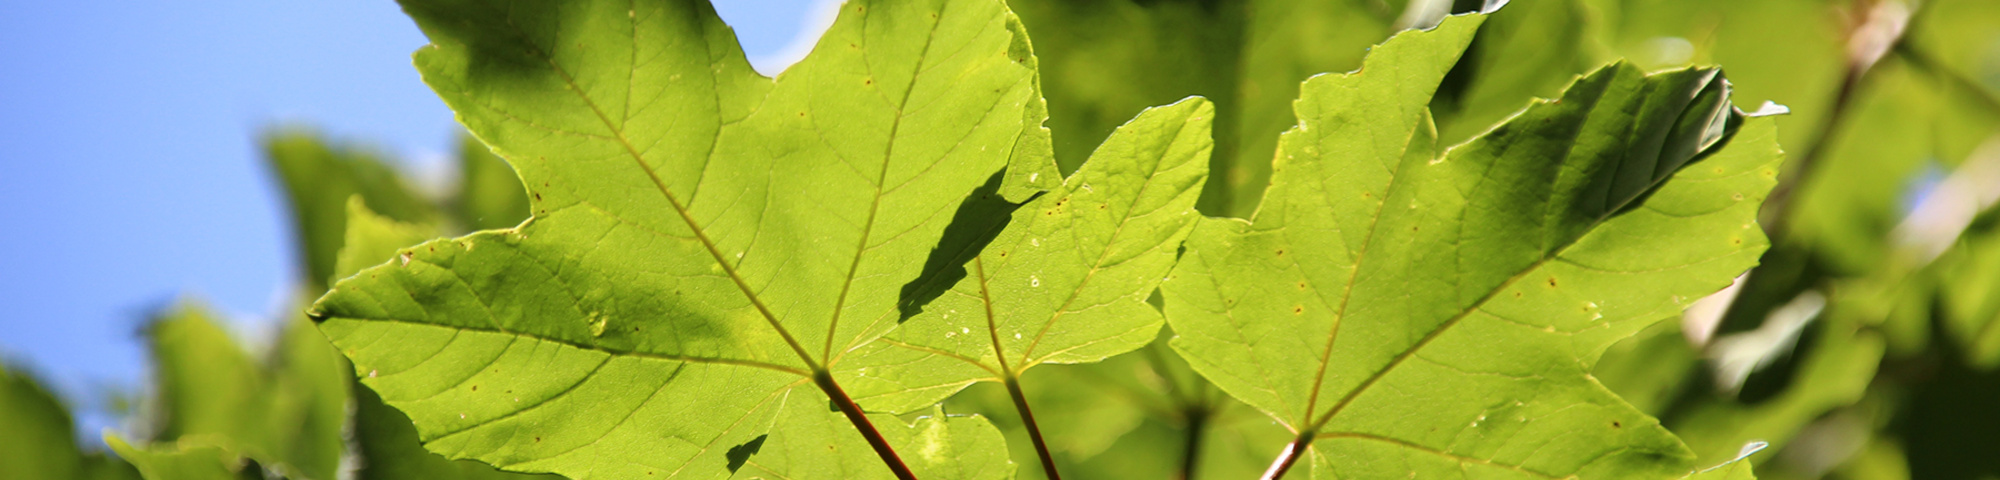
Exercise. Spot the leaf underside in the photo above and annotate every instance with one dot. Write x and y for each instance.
(1430, 311)
(703, 239)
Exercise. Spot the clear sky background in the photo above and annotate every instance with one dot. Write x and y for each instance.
(130, 175)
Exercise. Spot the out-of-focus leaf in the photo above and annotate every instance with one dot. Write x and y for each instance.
(1103, 61)
(287, 412)
(1881, 459)
(1834, 373)
(38, 443)
(1651, 369)
(1530, 49)
(198, 457)
(374, 239)
(1474, 288)
(1855, 195)
(1788, 51)
(1948, 422)
(490, 195)
(319, 178)
(1969, 294)
(1130, 417)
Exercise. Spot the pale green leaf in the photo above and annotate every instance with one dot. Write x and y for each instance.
(1430, 313)
(704, 241)
(1065, 279)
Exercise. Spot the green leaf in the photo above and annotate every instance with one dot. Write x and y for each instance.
(1834, 374)
(198, 458)
(1104, 61)
(372, 239)
(935, 445)
(40, 445)
(704, 241)
(389, 450)
(1415, 312)
(286, 413)
(1131, 416)
(386, 442)
(1969, 294)
(1066, 278)
(490, 195)
(1651, 369)
(1528, 50)
(319, 178)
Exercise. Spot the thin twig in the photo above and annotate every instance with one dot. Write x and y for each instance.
(1197, 426)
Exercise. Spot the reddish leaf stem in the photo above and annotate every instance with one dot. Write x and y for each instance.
(1034, 430)
(1289, 456)
(860, 420)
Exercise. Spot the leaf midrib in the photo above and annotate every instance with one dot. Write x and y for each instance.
(1347, 290)
(1096, 266)
(618, 134)
(881, 176)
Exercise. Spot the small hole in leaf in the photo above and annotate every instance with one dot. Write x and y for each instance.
(1298, 309)
(1552, 282)
(1615, 424)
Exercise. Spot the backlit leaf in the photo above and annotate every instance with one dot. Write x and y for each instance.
(706, 244)
(1418, 310)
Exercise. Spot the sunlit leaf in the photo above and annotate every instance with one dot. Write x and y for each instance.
(1412, 309)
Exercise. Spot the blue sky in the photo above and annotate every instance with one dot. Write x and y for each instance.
(131, 173)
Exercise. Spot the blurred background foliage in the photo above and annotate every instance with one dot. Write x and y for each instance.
(1865, 347)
